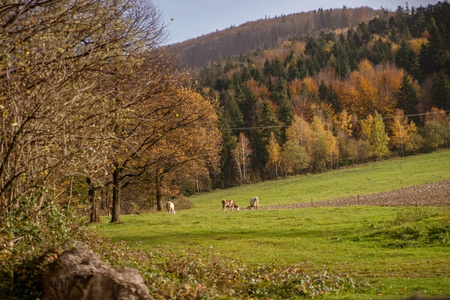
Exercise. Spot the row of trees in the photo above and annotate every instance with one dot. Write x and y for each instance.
(386, 67)
(326, 144)
(87, 93)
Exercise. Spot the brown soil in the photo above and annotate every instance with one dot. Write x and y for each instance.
(430, 194)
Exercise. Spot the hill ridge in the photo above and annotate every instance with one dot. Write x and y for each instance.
(266, 33)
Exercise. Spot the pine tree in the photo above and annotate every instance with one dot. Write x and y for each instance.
(408, 97)
(301, 67)
(234, 113)
(440, 91)
(266, 122)
(407, 59)
(431, 54)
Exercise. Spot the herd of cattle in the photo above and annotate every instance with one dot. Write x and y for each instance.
(254, 204)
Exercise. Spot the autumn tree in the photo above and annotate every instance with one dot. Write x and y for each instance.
(402, 137)
(55, 59)
(294, 156)
(373, 130)
(191, 146)
(274, 154)
(324, 145)
(370, 89)
(241, 155)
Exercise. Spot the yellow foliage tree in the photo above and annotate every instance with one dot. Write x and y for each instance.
(373, 130)
(370, 89)
(274, 154)
(345, 122)
(294, 155)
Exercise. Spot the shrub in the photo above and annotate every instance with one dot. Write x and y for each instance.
(182, 202)
(434, 134)
(30, 235)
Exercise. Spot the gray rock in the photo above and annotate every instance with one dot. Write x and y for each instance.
(78, 274)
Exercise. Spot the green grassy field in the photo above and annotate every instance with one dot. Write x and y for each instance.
(400, 251)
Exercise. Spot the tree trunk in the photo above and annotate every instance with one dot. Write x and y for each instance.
(159, 205)
(115, 216)
(95, 218)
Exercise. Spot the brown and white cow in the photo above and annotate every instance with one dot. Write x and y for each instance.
(254, 203)
(170, 207)
(229, 203)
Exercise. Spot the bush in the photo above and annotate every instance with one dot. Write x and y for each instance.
(434, 134)
(31, 235)
(182, 202)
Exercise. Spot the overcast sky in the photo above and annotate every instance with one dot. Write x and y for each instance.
(188, 19)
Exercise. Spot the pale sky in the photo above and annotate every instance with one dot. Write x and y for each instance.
(194, 18)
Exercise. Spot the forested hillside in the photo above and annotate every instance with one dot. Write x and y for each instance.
(343, 97)
(268, 33)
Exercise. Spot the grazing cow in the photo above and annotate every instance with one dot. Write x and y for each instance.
(170, 207)
(254, 203)
(229, 203)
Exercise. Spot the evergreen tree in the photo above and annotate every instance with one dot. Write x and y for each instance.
(256, 74)
(234, 113)
(301, 67)
(293, 71)
(226, 159)
(408, 97)
(266, 122)
(281, 98)
(417, 24)
(381, 52)
(323, 91)
(280, 92)
(431, 54)
(407, 59)
(440, 91)
(379, 25)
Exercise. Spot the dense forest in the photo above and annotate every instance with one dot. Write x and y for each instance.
(347, 96)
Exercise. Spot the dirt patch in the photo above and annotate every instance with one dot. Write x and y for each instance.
(430, 194)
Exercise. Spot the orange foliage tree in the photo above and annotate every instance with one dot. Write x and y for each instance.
(370, 89)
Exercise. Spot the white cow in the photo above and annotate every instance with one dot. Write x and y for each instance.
(254, 203)
(170, 207)
(229, 203)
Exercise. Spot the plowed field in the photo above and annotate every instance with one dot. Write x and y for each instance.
(430, 194)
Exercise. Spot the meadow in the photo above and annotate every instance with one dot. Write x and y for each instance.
(395, 251)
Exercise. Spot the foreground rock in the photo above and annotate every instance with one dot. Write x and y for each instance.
(78, 274)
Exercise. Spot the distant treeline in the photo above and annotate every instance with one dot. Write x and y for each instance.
(268, 33)
(338, 98)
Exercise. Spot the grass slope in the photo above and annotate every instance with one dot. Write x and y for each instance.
(400, 251)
